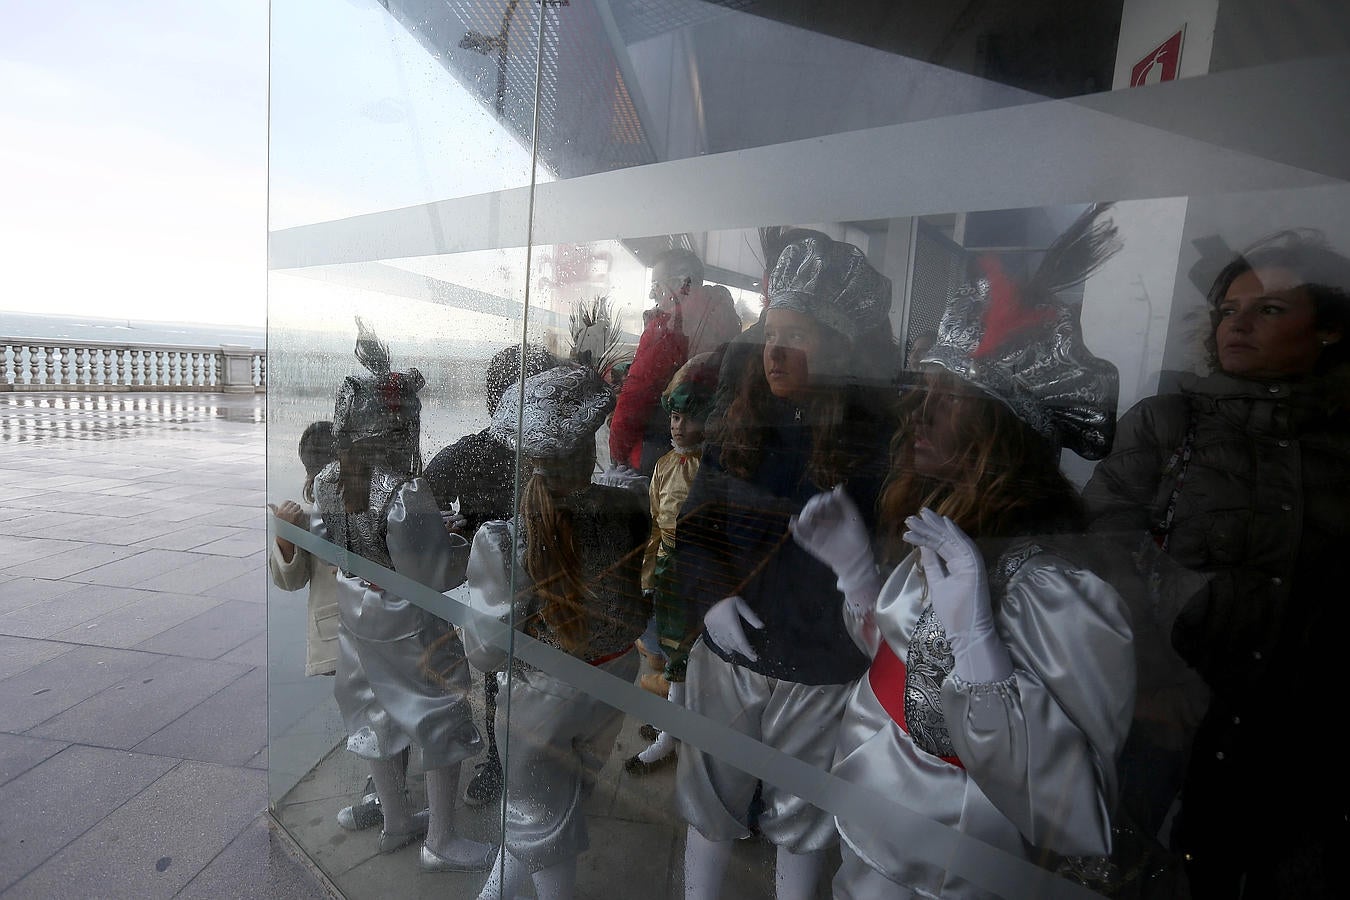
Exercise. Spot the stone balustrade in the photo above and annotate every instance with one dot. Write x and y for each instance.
(31, 364)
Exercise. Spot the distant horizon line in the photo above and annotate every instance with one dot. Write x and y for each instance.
(132, 320)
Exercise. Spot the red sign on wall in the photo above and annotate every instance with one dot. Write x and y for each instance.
(1159, 65)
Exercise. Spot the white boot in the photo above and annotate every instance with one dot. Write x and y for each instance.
(443, 851)
(705, 864)
(557, 882)
(505, 880)
(401, 825)
(796, 874)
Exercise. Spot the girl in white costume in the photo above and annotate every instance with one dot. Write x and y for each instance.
(1002, 677)
(574, 554)
(373, 503)
(809, 410)
(293, 568)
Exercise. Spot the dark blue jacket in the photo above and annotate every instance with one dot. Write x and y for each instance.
(733, 538)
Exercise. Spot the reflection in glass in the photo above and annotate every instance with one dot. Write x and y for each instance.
(888, 182)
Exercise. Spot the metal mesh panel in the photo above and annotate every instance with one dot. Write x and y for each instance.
(939, 268)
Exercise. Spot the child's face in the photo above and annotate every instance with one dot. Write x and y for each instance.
(685, 430)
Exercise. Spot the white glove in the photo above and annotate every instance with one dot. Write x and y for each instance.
(723, 624)
(958, 587)
(622, 476)
(831, 529)
(455, 523)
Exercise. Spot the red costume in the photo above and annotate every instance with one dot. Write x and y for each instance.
(703, 320)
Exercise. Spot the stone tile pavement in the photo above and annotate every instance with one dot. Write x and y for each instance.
(133, 684)
(135, 702)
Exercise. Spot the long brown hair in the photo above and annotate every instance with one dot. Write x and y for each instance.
(551, 558)
(835, 449)
(1008, 479)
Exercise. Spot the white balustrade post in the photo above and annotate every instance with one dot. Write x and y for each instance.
(238, 375)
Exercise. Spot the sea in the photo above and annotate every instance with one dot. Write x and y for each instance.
(137, 331)
(306, 366)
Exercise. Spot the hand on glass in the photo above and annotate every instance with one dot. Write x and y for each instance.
(292, 512)
(831, 529)
(724, 625)
(958, 587)
(621, 476)
(455, 523)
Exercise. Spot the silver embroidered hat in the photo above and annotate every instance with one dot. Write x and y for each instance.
(382, 406)
(564, 407)
(1023, 344)
(833, 283)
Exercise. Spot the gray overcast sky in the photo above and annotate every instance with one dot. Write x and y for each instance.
(134, 153)
(134, 146)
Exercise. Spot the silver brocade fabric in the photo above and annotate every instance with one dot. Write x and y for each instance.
(1045, 374)
(1038, 749)
(833, 283)
(382, 408)
(564, 407)
(930, 662)
(362, 533)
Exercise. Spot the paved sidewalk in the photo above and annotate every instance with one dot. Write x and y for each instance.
(133, 697)
(134, 682)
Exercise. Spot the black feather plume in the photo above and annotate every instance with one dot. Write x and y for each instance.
(771, 244)
(597, 335)
(1081, 250)
(371, 352)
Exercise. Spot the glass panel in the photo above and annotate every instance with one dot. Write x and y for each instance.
(971, 260)
(366, 123)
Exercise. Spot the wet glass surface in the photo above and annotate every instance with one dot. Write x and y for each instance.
(1056, 296)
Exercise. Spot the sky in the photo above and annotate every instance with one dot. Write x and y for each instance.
(134, 138)
(135, 157)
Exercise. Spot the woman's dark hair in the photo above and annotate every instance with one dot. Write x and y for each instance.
(1009, 481)
(836, 448)
(317, 450)
(1325, 275)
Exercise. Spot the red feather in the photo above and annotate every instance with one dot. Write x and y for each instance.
(1006, 314)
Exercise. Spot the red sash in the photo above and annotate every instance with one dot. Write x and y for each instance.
(887, 677)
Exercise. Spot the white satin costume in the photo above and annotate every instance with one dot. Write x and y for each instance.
(383, 689)
(1037, 751)
(559, 737)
